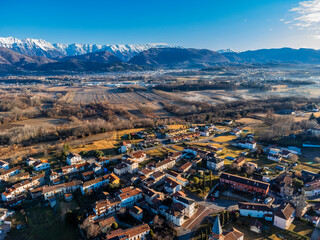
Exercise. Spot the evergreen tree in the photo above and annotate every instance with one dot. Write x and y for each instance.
(312, 117)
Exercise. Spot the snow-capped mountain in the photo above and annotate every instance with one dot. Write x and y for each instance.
(124, 52)
(29, 46)
(228, 50)
(41, 47)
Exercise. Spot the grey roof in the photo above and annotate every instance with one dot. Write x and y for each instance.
(186, 200)
(216, 229)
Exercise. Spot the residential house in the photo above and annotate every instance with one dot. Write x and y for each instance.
(127, 166)
(171, 185)
(251, 167)
(125, 146)
(38, 180)
(106, 224)
(5, 175)
(87, 175)
(61, 189)
(145, 172)
(175, 155)
(139, 156)
(155, 179)
(284, 216)
(286, 186)
(96, 167)
(300, 204)
(311, 189)
(105, 207)
(189, 204)
(93, 185)
(163, 165)
(274, 157)
(41, 165)
(30, 161)
(74, 158)
(238, 163)
(136, 212)
(36, 192)
(214, 162)
(136, 233)
(185, 167)
(256, 210)
(248, 144)
(245, 184)
(102, 160)
(4, 165)
(176, 176)
(151, 196)
(175, 213)
(16, 190)
(204, 133)
(129, 196)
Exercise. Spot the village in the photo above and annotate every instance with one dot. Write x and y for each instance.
(190, 181)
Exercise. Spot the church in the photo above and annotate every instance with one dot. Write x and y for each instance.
(218, 234)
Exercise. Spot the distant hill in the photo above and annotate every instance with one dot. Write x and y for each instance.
(82, 66)
(100, 57)
(178, 58)
(11, 60)
(280, 55)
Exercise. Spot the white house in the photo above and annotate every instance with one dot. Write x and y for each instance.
(274, 157)
(60, 189)
(174, 214)
(204, 133)
(30, 161)
(97, 183)
(10, 172)
(171, 185)
(312, 189)
(188, 203)
(4, 165)
(248, 144)
(41, 165)
(214, 162)
(129, 196)
(74, 158)
(284, 216)
(127, 166)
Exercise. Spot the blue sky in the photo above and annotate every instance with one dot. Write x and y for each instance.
(212, 24)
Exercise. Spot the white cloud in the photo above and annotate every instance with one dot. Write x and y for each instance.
(307, 15)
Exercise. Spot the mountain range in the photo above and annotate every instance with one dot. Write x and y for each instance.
(43, 48)
(38, 55)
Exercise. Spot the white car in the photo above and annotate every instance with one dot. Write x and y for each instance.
(268, 200)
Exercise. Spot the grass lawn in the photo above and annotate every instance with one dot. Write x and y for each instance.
(107, 143)
(177, 126)
(42, 223)
(301, 228)
(157, 153)
(248, 120)
(223, 139)
(177, 147)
